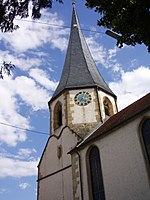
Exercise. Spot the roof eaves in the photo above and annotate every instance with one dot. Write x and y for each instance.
(119, 122)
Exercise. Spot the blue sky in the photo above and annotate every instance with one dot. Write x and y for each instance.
(38, 51)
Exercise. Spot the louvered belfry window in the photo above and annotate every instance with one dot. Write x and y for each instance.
(146, 137)
(96, 175)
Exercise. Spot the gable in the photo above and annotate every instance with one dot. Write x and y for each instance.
(55, 155)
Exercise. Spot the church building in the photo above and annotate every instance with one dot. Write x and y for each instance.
(94, 152)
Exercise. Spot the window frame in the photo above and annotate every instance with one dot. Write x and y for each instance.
(89, 173)
(144, 150)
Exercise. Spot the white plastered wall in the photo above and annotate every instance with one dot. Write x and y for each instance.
(57, 187)
(123, 166)
(83, 114)
(57, 183)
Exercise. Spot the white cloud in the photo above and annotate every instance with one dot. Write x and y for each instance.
(3, 190)
(16, 168)
(22, 154)
(117, 68)
(98, 52)
(26, 152)
(31, 93)
(24, 186)
(41, 77)
(9, 114)
(20, 164)
(32, 35)
(21, 61)
(102, 56)
(24, 91)
(132, 86)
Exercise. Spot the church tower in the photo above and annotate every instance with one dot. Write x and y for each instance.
(81, 101)
(82, 98)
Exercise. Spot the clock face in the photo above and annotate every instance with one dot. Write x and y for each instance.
(82, 98)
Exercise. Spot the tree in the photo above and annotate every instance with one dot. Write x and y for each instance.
(6, 68)
(128, 18)
(10, 9)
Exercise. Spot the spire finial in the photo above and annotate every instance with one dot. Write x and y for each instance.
(73, 2)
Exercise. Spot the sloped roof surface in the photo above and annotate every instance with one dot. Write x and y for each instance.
(79, 68)
(121, 117)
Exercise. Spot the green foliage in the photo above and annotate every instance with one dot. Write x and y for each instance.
(6, 68)
(10, 9)
(130, 19)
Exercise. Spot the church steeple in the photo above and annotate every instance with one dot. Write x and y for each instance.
(82, 98)
(79, 70)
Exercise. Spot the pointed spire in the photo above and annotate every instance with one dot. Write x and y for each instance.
(79, 70)
(73, 2)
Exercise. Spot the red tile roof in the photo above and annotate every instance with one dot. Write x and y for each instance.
(120, 118)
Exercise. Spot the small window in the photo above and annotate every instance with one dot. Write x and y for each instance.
(96, 175)
(57, 115)
(146, 137)
(59, 151)
(108, 107)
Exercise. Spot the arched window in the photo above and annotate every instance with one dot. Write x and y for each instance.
(108, 107)
(57, 115)
(146, 137)
(96, 175)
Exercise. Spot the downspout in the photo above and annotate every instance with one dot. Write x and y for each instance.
(80, 172)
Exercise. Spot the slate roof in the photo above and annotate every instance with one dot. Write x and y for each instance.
(79, 69)
(119, 119)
